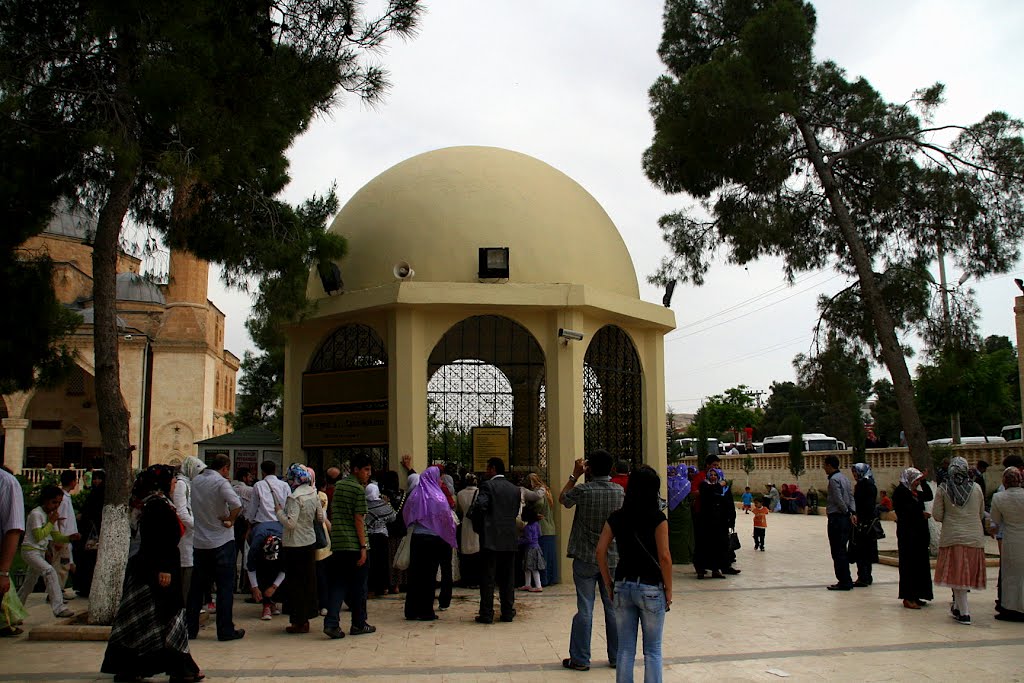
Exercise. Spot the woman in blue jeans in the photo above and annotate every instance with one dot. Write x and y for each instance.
(642, 590)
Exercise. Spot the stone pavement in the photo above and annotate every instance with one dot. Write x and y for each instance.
(774, 619)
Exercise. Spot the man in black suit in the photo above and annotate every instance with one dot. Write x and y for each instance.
(498, 500)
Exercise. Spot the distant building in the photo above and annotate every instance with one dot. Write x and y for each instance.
(177, 379)
(681, 421)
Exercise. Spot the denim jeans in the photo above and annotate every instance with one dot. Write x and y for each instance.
(587, 577)
(639, 602)
(345, 583)
(213, 564)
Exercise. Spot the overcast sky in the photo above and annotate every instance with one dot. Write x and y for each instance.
(566, 81)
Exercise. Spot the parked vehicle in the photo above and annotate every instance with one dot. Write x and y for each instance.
(689, 446)
(812, 442)
(1011, 432)
(948, 441)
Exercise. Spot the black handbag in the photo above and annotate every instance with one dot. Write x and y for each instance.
(734, 541)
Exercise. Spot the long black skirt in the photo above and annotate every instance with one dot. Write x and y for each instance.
(146, 639)
(915, 567)
(300, 570)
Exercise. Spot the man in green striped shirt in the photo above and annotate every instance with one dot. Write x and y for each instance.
(347, 569)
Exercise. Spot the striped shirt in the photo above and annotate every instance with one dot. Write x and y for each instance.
(594, 502)
(349, 500)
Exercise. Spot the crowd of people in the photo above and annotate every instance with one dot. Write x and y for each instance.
(306, 548)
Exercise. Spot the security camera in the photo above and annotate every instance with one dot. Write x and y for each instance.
(570, 334)
(403, 271)
(128, 337)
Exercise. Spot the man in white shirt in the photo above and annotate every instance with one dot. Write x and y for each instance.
(12, 525)
(215, 506)
(63, 558)
(260, 512)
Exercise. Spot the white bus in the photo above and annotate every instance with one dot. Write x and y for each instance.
(689, 446)
(812, 442)
(1011, 432)
(948, 441)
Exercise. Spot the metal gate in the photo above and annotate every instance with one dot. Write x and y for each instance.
(487, 371)
(349, 347)
(613, 396)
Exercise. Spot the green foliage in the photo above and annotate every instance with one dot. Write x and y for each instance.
(791, 158)
(673, 450)
(700, 446)
(837, 378)
(723, 413)
(981, 383)
(787, 400)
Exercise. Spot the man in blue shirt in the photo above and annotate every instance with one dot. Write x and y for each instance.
(839, 507)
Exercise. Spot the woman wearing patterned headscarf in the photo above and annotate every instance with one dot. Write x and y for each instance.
(379, 514)
(865, 545)
(149, 636)
(913, 537)
(300, 512)
(1008, 510)
(429, 519)
(717, 516)
(960, 508)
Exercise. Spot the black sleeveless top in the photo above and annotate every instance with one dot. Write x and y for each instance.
(638, 550)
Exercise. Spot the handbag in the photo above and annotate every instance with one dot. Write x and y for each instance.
(734, 541)
(321, 534)
(876, 528)
(403, 553)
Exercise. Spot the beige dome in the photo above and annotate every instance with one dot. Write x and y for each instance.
(436, 209)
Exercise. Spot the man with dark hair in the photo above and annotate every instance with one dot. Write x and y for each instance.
(498, 499)
(215, 506)
(979, 477)
(840, 507)
(347, 569)
(63, 556)
(594, 501)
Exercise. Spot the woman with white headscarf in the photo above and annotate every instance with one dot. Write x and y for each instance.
(182, 499)
(379, 514)
(1008, 510)
(865, 498)
(960, 508)
(913, 538)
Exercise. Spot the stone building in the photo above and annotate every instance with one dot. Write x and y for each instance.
(177, 379)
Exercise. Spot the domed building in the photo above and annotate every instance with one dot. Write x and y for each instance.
(177, 379)
(487, 306)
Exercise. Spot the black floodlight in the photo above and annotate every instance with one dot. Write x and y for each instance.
(330, 276)
(493, 263)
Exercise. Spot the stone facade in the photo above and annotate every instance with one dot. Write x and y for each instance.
(177, 379)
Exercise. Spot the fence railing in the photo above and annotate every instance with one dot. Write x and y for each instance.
(39, 474)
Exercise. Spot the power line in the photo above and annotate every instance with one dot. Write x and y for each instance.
(752, 354)
(744, 315)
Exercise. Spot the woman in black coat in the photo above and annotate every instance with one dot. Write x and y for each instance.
(865, 498)
(717, 516)
(912, 538)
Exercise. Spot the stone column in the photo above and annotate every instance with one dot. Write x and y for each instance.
(1018, 310)
(565, 419)
(655, 447)
(14, 442)
(407, 390)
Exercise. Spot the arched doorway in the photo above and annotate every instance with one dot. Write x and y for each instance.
(613, 396)
(345, 399)
(487, 371)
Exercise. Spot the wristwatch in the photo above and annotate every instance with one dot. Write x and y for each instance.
(365, 546)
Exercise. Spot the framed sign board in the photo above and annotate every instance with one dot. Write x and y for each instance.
(490, 442)
(360, 428)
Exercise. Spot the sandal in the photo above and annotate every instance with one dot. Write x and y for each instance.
(10, 631)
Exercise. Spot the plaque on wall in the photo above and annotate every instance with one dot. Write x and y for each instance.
(361, 428)
(247, 459)
(490, 442)
(364, 385)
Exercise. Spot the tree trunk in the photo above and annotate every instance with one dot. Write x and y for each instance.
(885, 326)
(105, 593)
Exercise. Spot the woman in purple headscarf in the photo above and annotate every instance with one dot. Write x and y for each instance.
(428, 517)
(717, 516)
(680, 519)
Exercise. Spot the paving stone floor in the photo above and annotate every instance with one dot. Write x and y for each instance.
(774, 620)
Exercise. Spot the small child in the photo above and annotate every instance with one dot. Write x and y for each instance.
(760, 523)
(40, 530)
(533, 557)
(748, 498)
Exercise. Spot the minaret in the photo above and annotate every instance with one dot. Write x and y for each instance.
(187, 308)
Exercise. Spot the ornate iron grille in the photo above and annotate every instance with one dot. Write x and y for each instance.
(350, 347)
(612, 396)
(487, 371)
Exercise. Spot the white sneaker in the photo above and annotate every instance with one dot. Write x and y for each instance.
(266, 613)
